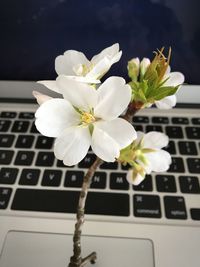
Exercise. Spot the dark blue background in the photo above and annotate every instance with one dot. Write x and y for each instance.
(34, 32)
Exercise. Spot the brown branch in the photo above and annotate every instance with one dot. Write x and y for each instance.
(76, 260)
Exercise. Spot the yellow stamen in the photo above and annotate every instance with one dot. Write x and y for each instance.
(87, 118)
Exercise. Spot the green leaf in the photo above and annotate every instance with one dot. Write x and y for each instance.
(164, 91)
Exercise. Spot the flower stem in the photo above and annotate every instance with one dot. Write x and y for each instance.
(76, 260)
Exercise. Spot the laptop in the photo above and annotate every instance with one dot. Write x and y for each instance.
(154, 224)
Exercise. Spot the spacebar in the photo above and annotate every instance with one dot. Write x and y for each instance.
(114, 204)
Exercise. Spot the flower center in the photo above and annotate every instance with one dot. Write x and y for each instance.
(82, 69)
(87, 118)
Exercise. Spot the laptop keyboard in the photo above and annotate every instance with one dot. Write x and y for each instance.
(32, 181)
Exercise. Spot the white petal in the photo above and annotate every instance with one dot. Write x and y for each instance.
(50, 85)
(83, 79)
(166, 103)
(72, 146)
(175, 78)
(118, 129)
(109, 52)
(104, 146)
(64, 64)
(99, 69)
(40, 97)
(155, 140)
(159, 160)
(54, 116)
(144, 65)
(113, 98)
(134, 180)
(80, 95)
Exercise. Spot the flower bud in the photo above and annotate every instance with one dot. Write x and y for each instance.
(144, 65)
(133, 68)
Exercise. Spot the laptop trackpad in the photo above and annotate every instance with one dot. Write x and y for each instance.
(26, 249)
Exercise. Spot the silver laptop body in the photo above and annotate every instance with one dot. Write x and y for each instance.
(154, 225)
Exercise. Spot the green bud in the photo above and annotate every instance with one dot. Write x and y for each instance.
(133, 68)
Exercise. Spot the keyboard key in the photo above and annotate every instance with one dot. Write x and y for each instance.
(45, 159)
(140, 119)
(156, 128)
(24, 141)
(189, 184)
(66, 202)
(33, 128)
(180, 120)
(118, 181)
(193, 165)
(6, 140)
(109, 165)
(111, 204)
(187, 148)
(175, 207)
(138, 127)
(4, 125)
(5, 194)
(29, 177)
(193, 132)
(74, 178)
(165, 183)
(6, 156)
(145, 185)
(87, 161)
(8, 114)
(196, 121)
(162, 120)
(98, 180)
(174, 131)
(24, 158)
(62, 165)
(195, 214)
(146, 206)
(26, 115)
(177, 165)
(171, 148)
(51, 178)
(20, 126)
(8, 175)
(44, 142)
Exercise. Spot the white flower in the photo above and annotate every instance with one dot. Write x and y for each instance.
(76, 66)
(150, 157)
(86, 117)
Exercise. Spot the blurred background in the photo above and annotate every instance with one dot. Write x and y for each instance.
(34, 32)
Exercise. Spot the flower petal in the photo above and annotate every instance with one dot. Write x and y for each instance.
(134, 180)
(113, 98)
(40, 97)
(80, 95)
(72, 146)
(104, 146)
(83, 79)
(50, 85)
(54, 116)
(64, 64)
(109, 52)
(144, 65)
(159, 161)
(118, 129)
(99, 69)
(155, 140)
(166, 103)
(174, 79)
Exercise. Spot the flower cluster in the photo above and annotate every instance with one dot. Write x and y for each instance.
(153, 82)
(89, 114)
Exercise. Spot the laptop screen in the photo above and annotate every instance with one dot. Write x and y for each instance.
(34, 32)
